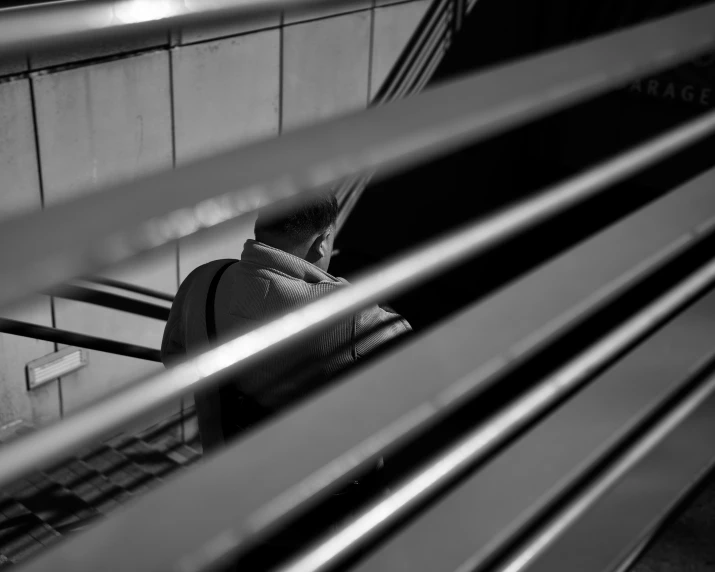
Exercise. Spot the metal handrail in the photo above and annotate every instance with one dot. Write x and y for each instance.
(91, 294)
(76, 22)
(56, 335)
(588, 473)
(387, 138)
(545, 536)
(252, 507)
(120, 285)
(494, 433)
(397, 85)
(202, 371)
(43, 447)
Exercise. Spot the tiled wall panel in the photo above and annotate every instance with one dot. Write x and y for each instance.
(112, 120)
(12, 65)
(379, 3)
(20, 191)
(100, 124)
(105, 123)
(105, 372)
(394, 26)
(226, 93)
(325, 68)
(231, 28)
(19, 179)
(58, 56)
(326, 10)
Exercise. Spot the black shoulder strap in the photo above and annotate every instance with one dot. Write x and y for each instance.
(237, 411)
(211, 302)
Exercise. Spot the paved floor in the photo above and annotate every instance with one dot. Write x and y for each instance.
(41, 509)
(688, 543)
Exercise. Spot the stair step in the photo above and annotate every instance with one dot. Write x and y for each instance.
(41, 509)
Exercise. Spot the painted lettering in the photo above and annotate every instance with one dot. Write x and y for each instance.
(670, 91)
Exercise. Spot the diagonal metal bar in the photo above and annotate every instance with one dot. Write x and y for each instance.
(120, 285)
(387, 138)
(93, 295)
(488, 437)
(44, 447)
(698, 402)
(74, 22)
(56, 335)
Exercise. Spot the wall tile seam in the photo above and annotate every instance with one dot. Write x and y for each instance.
(169, 46)
(221, 37)
(392, 3)
(366, 8)
(85, 63)
(177, 249)
(281, 65)
(370, 55)
(41, 189)
(14, 77)
(281, 23)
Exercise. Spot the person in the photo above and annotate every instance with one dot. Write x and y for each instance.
(284, 268)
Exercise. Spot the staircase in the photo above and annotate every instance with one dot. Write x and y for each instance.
(40, 510)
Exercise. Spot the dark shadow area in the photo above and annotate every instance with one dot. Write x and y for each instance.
(515, 380)
(401, 212)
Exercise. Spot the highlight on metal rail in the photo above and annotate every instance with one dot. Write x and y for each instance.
(457, 424)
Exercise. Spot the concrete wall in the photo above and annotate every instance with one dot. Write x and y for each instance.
(74, 120)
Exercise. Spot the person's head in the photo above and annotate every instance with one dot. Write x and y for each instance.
(306, 230)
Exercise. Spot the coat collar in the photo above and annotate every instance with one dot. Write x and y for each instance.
(255, 252)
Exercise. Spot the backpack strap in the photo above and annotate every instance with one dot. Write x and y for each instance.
(233, 411)
(210, 402)
(211, 301)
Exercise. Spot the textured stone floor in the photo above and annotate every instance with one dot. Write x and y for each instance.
(38, 511)
(687, 544)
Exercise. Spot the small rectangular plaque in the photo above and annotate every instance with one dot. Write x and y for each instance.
(54, 365)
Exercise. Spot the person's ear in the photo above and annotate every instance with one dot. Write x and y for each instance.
(324, 239)
(319, 248)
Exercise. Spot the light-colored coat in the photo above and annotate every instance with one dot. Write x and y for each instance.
(265, 284)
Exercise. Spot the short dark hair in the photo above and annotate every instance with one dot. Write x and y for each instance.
(309, 218)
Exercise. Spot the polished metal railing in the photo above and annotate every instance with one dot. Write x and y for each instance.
(37, 332)
(128, 287)
(99, 291)
(95, 293)
(246, 510)
(392, 137)
(387, 138)
(698, 399)
(409, 76)
(45, 447)
(31, 27)
(488, 436)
